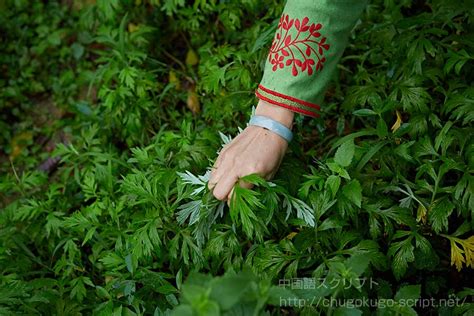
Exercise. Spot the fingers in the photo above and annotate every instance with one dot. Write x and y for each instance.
(215, 171)
(212, 179)
(224, 186)
(221, 155)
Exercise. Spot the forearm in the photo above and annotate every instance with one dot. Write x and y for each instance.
(275, 112)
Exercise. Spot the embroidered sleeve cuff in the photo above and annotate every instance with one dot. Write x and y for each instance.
(286, 101)
(307, 45)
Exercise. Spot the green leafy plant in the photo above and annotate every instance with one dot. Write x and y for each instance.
(111, 113)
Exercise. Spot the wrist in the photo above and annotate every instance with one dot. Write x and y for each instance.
(277, 113)
(272, 125)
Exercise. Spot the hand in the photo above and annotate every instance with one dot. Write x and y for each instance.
(255, 150)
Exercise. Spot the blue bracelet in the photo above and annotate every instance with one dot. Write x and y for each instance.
(272, 125)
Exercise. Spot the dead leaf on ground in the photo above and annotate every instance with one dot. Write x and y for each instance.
(193, 102)
(192, 58)
(173, 79)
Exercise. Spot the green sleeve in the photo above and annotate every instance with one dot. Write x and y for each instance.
(307, 46)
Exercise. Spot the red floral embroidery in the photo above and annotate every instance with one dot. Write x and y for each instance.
(298, 52)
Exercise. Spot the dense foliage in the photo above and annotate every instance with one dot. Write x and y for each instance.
(112, 111)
